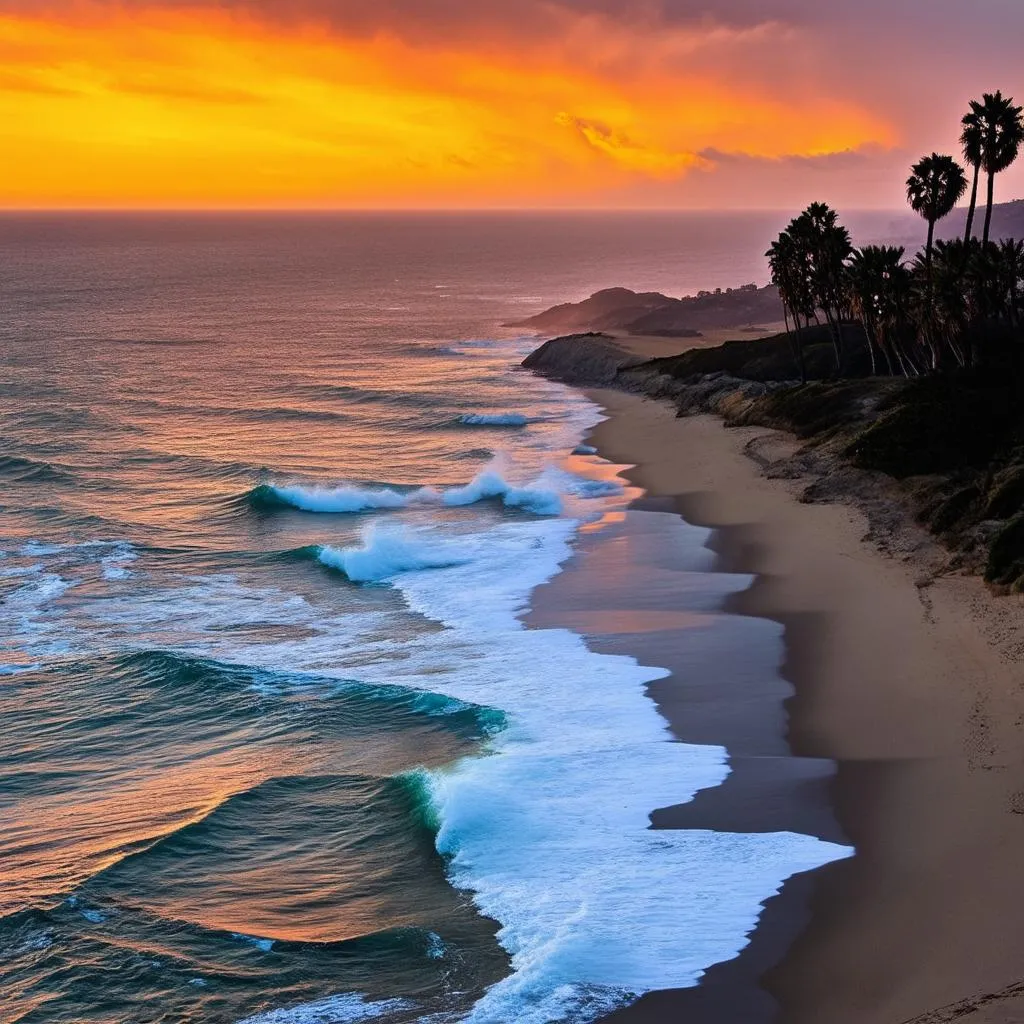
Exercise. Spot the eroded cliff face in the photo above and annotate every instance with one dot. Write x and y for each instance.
(585, 359)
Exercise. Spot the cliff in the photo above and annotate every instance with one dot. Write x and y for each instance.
(585, 359)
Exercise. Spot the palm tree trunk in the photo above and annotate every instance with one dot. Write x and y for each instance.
(868, 333)
(974, 204)
(801, 365)
(884, 344)
(836, 344)
(988, 208)
(930, 245)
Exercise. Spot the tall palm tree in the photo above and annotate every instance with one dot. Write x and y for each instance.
(972, 141)
(1002, 130)
(936, 184)
(826, 244)
(788, 261)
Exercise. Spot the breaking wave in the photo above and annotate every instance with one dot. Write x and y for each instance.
(386, 552)
(488, 485)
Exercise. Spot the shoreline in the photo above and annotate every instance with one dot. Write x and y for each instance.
(629, 593)
(912, 683)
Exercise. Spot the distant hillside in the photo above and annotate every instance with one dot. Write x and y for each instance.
(1007, 221)
(651, 313)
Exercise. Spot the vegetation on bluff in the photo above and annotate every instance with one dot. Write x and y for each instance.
(956, 304)
(952, 318)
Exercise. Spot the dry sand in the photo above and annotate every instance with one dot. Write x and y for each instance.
(914, 683)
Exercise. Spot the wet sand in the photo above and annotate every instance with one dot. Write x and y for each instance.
(633, 588)
(912, 684)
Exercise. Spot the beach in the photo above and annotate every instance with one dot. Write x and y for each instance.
(909, 680)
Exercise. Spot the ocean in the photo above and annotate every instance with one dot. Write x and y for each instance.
(277, 747)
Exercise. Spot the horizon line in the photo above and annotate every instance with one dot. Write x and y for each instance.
(7, 210)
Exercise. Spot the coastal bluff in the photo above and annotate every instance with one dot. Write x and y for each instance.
(586, 359)
(933, 452)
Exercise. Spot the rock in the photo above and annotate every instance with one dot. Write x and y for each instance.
(585, 359)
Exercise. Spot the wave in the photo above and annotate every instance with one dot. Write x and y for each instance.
(387, 552)
(217, 706)
(352, 394)
(490, 484)
(502, 419)
(195, 465)
(344, 499)
(163, 667)
(487, 485)
(24, 470)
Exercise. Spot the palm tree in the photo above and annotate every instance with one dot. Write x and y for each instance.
(787, 259)
(877, 279)
(972, 140)
(998, 127)
(826, 244)
(936, 184)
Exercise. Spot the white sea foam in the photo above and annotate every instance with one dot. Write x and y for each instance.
(552, 837)
(22, 570)
(489, 484)
(44, 588)
(500, 419)
(536, 498)
(114, 566)
(340, 1009)
(113, 558)
(388, 551)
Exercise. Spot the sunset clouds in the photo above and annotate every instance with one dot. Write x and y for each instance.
(400, 103)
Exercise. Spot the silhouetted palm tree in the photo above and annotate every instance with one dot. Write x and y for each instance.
(826, 244)
(935, 186)
(878, 280)
(1001, 128)
(790, 272)
(972, 140)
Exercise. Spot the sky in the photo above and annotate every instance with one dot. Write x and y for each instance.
(398, 104)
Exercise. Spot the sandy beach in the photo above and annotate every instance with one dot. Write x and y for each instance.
(912, 681)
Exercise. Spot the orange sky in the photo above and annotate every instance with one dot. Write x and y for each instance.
(143, 105)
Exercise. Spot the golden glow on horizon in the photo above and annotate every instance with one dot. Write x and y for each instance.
(199, 108)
